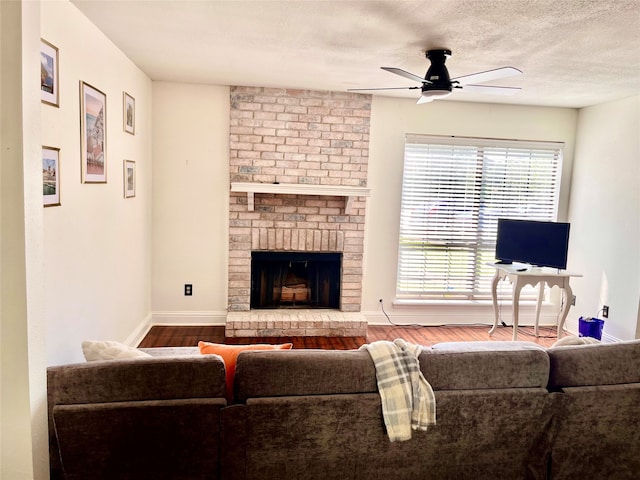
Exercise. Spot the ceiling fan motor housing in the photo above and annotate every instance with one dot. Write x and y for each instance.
(437, 75)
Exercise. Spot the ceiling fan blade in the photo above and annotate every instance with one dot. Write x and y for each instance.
(405, 74)
(383, 88)
(487, 76)
(422, 100)
(490, 89)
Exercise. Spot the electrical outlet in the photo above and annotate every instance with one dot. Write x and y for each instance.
(573, 300)
(188, 289)
(605, 311)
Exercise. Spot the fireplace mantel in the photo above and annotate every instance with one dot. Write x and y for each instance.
(300, 189)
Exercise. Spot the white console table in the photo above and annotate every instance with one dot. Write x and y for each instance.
(519, 277)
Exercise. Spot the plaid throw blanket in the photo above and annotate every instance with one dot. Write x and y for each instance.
(408, 402)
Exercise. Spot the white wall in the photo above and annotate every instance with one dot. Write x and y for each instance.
(391, 119)
(191, 185)
(97, 243)
(605, 215)
(23, 427)
(190, 202)
(77, 271)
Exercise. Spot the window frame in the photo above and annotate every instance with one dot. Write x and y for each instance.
(476, 246)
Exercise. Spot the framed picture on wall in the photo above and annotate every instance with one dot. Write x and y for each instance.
(49, 74)
(129, 178)
(50, 176)
(93, 128)
(129, 110)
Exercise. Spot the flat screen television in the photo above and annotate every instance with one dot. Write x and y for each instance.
(542, 244)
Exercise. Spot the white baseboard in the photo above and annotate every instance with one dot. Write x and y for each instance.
(214, 318)
(458, 315)
(609, 338)
(140, 332)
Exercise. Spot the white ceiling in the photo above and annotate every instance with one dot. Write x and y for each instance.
(573, 53)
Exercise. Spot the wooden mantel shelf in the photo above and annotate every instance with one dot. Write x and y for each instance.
(300, 189)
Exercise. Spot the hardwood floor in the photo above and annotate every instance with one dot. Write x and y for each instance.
(186, 336)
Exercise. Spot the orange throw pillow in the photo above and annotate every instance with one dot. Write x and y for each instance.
(229, 354)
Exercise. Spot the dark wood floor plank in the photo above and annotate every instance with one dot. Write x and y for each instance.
(188, 336)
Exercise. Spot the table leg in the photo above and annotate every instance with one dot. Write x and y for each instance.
(516, 306)
(567, 297)
(494, 297)
(539, 305)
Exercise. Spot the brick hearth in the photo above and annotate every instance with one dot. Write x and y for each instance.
(297, 137)
(295, 323)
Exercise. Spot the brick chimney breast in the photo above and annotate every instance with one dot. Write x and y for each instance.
(305, 137)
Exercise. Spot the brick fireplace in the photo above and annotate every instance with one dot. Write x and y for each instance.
(298, 172)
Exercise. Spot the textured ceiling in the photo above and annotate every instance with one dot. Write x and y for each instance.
(573, 53)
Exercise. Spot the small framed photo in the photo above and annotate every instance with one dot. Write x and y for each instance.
(93, 128)
(50, 176)
(129, 111)
(129, 178)
(49, 74)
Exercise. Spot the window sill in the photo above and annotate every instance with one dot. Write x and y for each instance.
(411, 303)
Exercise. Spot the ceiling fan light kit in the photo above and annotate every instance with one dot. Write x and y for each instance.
(432, 94)
(437, 83)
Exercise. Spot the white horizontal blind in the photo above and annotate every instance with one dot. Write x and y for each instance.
(454, 190)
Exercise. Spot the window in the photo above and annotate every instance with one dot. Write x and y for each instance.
(454, 190)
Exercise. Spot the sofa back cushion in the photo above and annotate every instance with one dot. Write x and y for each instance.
(138, 379)
(303, 372)
(485, 365)
(451, 366)
(595, 364)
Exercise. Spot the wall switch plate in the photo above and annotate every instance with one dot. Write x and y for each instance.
(188, 289)
(573, 300)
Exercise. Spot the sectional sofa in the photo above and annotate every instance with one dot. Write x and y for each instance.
(505, 410)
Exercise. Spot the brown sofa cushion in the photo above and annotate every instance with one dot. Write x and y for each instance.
(597, 364)
(328, 414)
(165, 439)
(598, 433)
(462, 366)
(485, 365)
(303, 372)
(137, 379)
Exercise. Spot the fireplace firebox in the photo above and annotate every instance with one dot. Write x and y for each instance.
(295, 279)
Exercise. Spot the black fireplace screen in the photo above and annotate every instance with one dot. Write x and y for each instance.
(295, 280)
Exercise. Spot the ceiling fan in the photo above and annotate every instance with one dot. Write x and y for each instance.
(437, 83)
